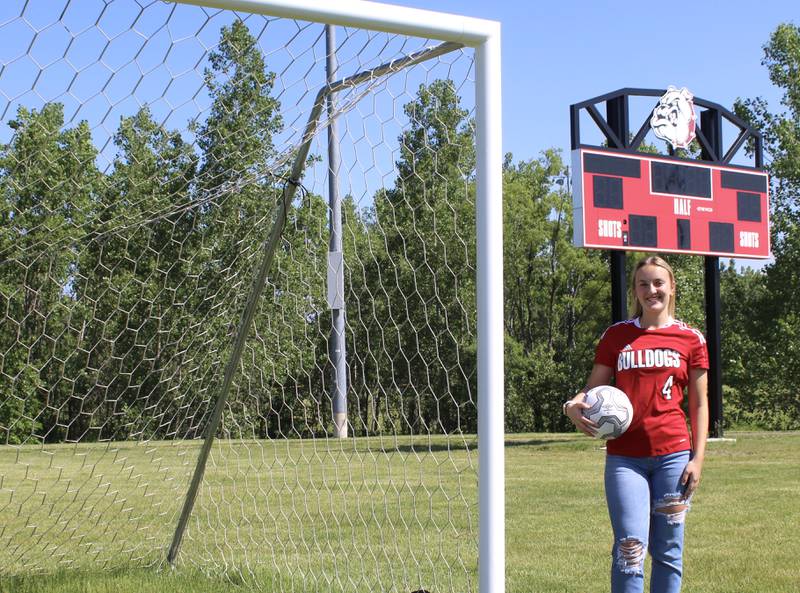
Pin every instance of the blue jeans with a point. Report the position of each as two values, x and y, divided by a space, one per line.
647 509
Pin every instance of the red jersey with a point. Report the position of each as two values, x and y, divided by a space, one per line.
652 367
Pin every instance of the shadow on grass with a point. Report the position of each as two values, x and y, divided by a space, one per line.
578 442
134 580
547 443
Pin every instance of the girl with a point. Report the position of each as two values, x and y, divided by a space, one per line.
653 469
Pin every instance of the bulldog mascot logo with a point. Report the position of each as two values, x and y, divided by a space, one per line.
674 119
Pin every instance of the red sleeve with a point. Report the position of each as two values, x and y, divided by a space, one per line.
699 354
605 353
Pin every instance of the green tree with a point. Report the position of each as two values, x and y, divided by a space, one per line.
427 281
236 178
690 293
282 391
775 356
133 270
48 182
557 295
240 180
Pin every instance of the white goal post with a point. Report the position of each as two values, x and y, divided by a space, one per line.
66 433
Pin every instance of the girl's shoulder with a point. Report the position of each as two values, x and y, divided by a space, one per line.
620 326
682 326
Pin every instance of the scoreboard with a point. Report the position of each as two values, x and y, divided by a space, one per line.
642 202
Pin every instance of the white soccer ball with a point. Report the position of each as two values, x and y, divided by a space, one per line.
610 408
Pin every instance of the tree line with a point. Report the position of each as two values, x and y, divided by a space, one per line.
121 291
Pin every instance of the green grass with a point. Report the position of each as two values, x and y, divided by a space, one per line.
314 515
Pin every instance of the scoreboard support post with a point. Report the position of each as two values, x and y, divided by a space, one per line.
711 127
617 116
714 342
619 276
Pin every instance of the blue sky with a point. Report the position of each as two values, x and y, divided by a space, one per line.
556 53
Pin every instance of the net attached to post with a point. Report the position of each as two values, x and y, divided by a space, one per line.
145 149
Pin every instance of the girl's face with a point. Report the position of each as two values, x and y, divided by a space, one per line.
654 289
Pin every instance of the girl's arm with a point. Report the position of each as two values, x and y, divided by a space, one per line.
600 375
698 416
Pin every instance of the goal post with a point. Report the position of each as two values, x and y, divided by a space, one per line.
490 319
165 254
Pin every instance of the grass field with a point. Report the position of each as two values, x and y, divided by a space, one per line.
283 531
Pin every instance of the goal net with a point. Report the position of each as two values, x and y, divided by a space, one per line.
238 298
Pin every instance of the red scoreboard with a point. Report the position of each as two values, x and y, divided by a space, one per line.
642 202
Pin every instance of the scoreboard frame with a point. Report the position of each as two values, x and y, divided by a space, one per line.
637 201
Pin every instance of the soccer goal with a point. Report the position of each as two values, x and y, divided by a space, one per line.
251 293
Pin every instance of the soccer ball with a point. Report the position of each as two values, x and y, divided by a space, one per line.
610 408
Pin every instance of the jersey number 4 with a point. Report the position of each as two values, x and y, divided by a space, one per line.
667 390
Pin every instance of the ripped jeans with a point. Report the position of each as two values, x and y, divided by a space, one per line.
647 510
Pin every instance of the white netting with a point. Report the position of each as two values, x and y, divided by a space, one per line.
144 147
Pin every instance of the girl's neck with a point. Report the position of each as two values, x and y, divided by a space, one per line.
655 321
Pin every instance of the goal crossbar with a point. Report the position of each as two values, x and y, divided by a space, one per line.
471 32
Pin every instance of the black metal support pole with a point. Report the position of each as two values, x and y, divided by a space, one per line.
617 117
711 125
619 298
714 337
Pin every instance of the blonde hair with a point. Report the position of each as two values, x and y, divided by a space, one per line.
653 260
